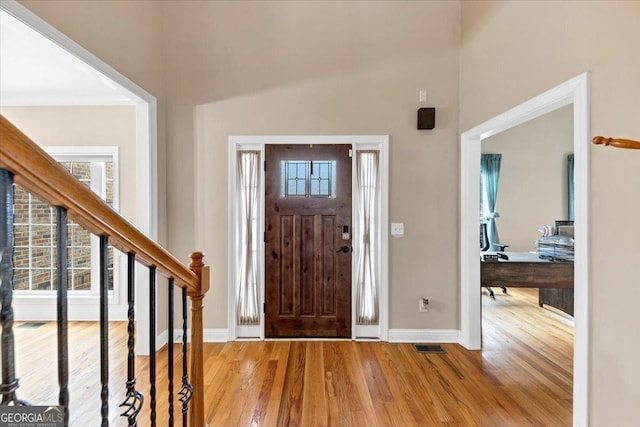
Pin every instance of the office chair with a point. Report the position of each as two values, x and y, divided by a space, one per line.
484 246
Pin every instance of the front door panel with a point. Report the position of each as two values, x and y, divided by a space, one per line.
308 241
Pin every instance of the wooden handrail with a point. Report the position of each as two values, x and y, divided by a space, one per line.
40 174
617 142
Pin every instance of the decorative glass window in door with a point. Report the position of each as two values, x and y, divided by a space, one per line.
308 178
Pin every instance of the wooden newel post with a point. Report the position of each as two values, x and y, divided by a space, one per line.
196 412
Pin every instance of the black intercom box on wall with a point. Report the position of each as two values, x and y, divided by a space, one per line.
426 118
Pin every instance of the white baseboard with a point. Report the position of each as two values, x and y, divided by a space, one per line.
216 335
395 335
424 335
177 335
46 311
162 339
209 335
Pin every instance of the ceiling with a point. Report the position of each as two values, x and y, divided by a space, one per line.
36 71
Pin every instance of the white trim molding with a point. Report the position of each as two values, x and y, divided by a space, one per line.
576 92
209 335
216 335
258 143
124 86
424 335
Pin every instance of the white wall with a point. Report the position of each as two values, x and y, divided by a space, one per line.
532 190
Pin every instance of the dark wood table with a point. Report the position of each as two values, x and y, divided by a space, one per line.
554 279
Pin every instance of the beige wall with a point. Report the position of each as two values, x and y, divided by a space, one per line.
127 36
532 190
512 51
325 68
296 68
86 126
356 67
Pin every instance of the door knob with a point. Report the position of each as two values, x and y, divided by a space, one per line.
344 249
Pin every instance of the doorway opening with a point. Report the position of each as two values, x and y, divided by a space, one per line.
573 92
323 188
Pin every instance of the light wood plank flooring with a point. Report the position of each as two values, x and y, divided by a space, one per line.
522 377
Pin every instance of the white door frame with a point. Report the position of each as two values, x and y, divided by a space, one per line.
146 149
576 92
358 142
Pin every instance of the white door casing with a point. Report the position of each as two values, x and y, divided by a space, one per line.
576 92
257 143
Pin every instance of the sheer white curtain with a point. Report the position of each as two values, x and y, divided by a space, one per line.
367 311
247 298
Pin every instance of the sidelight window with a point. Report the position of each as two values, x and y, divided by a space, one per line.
248 179
367 307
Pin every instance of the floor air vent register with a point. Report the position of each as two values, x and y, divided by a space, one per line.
429 348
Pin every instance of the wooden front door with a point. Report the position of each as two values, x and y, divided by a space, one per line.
308 241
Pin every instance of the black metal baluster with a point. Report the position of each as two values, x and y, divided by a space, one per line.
62 283
9 381
134 399
152 343
186 390
170 352
104 330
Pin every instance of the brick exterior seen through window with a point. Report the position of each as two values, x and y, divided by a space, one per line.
35 254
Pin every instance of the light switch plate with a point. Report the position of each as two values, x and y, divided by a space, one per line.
397 229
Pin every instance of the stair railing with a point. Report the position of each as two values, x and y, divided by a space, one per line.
22 161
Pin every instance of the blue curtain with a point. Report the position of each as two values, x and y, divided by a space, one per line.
490 170
571 192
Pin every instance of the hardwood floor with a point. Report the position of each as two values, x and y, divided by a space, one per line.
522 377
